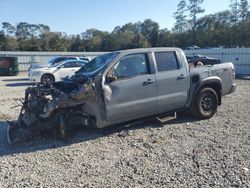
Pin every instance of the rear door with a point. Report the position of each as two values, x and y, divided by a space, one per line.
132 94
172 81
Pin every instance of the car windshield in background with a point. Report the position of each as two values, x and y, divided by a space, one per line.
98 62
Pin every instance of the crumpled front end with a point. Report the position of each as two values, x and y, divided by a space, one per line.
57 107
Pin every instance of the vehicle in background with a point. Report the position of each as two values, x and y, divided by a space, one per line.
193 47
56 71
55 60
202 60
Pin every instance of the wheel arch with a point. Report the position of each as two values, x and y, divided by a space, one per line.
211 82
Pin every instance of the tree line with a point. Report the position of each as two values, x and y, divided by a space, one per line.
229 28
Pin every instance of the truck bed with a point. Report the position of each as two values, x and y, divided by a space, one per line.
225 71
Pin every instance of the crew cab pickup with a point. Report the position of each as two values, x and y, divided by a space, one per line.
124 86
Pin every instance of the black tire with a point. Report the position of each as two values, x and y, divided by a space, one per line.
47 79
205 104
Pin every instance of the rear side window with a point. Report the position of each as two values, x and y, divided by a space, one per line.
166 61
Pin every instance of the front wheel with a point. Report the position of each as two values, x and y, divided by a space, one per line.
205 104
47 79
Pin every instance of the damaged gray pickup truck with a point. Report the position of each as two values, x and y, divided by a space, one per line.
123 86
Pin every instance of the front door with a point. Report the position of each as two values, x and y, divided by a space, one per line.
132 92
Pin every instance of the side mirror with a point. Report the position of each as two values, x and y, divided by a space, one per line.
60 67
111 78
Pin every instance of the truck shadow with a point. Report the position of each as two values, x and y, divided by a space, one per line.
48 140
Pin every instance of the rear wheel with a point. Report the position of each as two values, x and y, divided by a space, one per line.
205 104
48 79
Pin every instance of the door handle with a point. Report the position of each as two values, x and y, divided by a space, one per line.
182 76
147 82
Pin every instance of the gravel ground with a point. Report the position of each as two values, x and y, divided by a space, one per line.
182 153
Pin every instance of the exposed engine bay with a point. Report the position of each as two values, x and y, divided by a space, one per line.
58 106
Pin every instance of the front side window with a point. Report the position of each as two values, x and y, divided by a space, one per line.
131 66
166 61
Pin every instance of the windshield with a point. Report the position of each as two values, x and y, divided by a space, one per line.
98 62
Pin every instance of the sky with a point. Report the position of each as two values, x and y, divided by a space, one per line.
75 16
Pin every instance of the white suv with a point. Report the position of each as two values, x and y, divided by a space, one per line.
56 72
55 60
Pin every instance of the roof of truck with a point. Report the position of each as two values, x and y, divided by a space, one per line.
138 50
